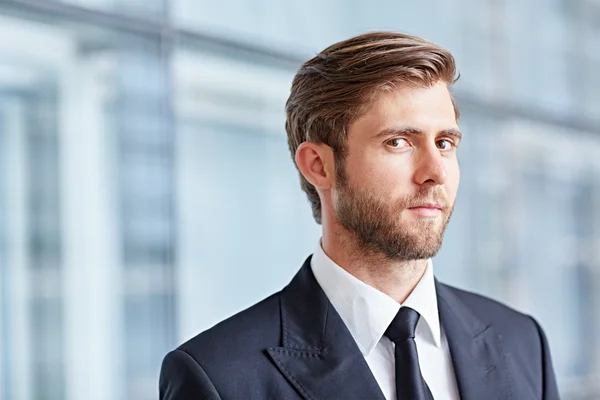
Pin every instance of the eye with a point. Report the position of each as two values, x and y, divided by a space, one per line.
445 144
397 143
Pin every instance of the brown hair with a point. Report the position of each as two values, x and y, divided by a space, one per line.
336 86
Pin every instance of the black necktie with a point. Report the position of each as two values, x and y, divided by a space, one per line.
410 384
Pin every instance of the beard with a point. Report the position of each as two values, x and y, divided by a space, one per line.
381 228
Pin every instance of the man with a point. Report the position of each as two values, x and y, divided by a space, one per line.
373 131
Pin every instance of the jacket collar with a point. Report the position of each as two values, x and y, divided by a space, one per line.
318 355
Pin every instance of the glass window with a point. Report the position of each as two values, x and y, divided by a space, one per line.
4 282
145 319
47 346
154 9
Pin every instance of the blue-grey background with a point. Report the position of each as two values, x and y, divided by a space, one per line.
147 192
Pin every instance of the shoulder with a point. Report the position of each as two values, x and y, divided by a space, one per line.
518 330
487 309
256 327
206 361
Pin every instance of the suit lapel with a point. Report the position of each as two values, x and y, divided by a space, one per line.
318 355
476 350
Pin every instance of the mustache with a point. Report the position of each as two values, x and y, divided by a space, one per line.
428 196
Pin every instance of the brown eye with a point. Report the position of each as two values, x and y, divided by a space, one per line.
445 144
397 143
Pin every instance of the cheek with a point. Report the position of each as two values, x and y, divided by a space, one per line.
453 179
359 168
387 176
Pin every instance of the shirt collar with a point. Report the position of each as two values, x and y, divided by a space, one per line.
366 311
423 300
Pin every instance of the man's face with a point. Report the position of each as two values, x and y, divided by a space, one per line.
397 189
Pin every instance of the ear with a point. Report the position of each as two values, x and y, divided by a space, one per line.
316 163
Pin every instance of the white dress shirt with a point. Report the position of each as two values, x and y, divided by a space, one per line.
367 313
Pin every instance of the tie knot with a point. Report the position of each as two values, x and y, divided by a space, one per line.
403 326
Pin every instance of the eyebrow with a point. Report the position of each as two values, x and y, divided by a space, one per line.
414 131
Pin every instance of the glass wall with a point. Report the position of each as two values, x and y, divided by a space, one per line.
147 192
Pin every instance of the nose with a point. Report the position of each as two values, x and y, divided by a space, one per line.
430 167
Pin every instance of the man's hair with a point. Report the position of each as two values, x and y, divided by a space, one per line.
335 87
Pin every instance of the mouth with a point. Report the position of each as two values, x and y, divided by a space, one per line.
427 210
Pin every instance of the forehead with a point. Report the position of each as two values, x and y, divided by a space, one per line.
425 108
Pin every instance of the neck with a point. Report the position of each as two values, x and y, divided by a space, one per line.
396 278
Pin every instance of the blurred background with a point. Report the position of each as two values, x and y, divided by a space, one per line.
147 192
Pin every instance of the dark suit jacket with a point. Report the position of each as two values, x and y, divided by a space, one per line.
294 345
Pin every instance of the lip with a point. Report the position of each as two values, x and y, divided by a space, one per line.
435 206
427 210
